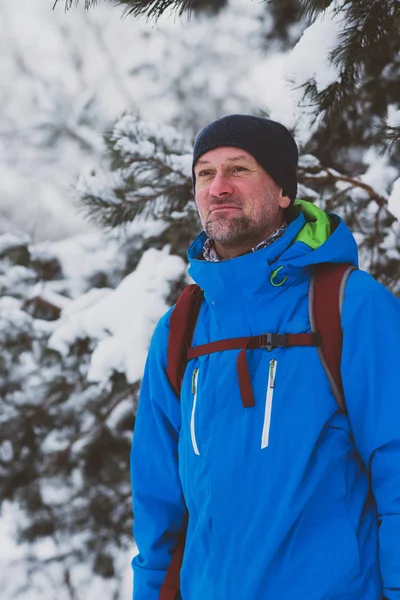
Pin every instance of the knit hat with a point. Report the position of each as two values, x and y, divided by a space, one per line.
269 142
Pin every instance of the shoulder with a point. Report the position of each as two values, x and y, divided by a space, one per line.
363 291
159 340
163 326
161 330
186 302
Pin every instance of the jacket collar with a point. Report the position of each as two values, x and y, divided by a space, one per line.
243 275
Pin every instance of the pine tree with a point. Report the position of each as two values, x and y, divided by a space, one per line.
64 440
366 56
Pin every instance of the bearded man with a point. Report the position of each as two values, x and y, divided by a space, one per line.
278 486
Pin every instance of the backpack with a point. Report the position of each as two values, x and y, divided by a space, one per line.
325 300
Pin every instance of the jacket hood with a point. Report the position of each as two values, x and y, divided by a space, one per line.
324 237
312 237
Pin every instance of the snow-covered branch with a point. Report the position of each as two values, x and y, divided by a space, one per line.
152 174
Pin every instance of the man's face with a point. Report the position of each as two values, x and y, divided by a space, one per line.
238 202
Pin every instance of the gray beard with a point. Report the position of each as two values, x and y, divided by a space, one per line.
240 231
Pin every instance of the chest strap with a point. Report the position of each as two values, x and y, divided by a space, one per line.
267 341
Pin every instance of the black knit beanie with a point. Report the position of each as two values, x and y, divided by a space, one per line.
269 142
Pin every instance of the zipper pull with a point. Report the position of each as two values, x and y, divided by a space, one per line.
272 364
195 371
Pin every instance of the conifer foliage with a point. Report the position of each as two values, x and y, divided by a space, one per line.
367 56
156 8
74 348
150 172
63 472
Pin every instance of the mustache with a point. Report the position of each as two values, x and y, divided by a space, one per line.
222 201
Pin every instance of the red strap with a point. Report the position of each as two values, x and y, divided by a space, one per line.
326 299
266 340
287 340
245 387
182 324
171 585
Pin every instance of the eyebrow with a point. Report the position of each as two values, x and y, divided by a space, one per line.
239 157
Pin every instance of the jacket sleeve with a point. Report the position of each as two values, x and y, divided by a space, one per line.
371 380
158 505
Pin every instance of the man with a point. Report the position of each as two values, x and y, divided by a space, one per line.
291 498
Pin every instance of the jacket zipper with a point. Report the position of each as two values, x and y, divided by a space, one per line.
268 403
195 377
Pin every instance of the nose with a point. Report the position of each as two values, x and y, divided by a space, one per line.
221 185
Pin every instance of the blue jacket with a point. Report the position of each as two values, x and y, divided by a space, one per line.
291 498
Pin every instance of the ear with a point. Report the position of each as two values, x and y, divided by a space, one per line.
284 201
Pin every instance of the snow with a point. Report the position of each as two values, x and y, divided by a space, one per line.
393 116
22 580
101 185
71 80
288 73
182 164
394 199
379 174
11 240
12 315
121 320
81 256
134 137
307 161
310 57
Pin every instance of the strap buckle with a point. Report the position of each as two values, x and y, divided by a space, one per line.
268 341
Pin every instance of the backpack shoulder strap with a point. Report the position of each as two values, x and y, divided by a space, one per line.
183 320
326 294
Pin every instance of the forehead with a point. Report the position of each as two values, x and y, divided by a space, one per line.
224 154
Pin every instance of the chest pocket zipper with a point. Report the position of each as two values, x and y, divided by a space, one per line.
268 403
195 377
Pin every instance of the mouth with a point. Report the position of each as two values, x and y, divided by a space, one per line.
224 208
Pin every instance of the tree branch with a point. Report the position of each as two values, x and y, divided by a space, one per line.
328 175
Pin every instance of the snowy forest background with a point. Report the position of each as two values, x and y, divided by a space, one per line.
98 117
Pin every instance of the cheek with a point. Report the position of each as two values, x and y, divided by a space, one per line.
201 203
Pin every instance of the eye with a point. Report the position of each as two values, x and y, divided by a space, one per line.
203 173
238 169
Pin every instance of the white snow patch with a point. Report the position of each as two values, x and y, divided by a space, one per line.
394 199
10 240
393 116
81 256
122 320
309 60
379 174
